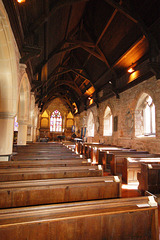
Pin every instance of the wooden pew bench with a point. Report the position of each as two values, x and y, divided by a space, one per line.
43 163
45 157
87 148
36 192
117 159
15 174
132 166
40 151
91 150
128 218
103 155
149 178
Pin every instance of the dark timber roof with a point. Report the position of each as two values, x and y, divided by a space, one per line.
78 48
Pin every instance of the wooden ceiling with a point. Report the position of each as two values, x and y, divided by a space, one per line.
75 48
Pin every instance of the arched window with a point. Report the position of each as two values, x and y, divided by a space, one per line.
15 124
56 122
90 125
145 117
107 122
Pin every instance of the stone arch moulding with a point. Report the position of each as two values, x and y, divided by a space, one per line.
145 116
140 94
24 99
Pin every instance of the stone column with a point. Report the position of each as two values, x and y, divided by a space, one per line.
34 134
6 135
30 133
22 133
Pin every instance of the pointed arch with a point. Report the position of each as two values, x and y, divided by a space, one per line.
107 122
90 125
24 99
70 120
145 116
56 121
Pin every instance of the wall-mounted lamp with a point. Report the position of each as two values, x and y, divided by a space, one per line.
131 70
21 1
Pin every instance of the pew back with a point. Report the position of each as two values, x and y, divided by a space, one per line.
104 219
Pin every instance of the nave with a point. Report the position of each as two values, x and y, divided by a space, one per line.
50 191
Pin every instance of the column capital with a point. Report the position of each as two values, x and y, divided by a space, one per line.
22 66
30 125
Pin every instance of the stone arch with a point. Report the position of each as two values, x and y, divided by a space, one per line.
24 110
8 83
141 120
70 120
107 122
90 125
24 99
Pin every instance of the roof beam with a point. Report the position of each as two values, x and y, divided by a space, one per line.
57 5
132 15
64 82
121 9
30 52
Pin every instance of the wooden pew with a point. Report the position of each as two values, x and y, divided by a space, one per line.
103 155
128 218
45 157
15 174
149 178
117 161
132 166
36 192
90 150
43 163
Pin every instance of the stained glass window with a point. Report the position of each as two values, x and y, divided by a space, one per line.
15 124
56 122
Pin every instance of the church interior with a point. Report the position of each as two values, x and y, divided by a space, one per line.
79 119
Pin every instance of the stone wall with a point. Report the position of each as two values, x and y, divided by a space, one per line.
125 108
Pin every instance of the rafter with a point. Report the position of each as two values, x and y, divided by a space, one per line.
123 10
57 5
64 82
30 52
133 15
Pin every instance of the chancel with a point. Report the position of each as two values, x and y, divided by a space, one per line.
79 119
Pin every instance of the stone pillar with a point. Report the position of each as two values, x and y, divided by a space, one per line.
34 134
29 133
6 135
22 133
